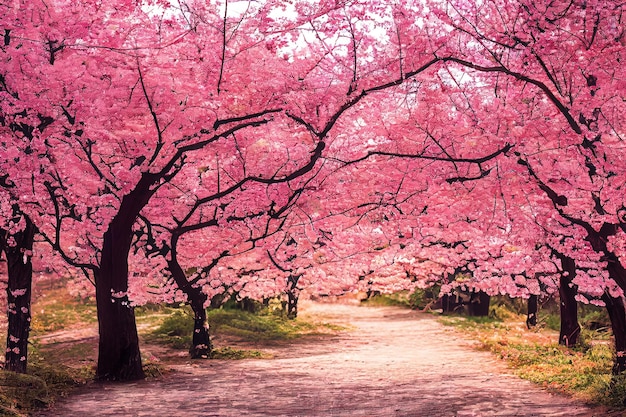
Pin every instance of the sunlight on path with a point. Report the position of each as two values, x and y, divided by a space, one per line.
393 363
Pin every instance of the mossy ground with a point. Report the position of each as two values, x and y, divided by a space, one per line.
173 327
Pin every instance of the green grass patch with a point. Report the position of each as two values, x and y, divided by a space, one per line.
175 327
399 299
170 327
22 394
254 327
473 323
48 375
583 372
236 354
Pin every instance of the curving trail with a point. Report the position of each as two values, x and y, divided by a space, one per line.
393 362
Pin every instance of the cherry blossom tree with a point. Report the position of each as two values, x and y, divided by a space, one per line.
119 96
116 189
19 290
130 115
556 70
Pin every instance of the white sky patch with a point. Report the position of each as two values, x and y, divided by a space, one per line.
284 13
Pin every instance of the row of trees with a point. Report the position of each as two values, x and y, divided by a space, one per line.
191 149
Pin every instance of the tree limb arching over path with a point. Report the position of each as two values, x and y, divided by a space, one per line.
392 362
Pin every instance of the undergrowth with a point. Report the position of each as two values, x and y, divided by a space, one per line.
583 372
399 299
46 381
56 310
173 327
48 375
257 327
419 299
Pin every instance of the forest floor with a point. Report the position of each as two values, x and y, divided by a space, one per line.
387 362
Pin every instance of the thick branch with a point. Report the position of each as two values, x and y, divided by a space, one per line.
501 69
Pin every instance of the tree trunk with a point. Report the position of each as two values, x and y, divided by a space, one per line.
292 296
570 329
479 304
617 272
19 289
201 345
119 358
450 302
617 314
533 307
292 304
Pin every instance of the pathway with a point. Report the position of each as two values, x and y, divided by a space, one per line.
393 362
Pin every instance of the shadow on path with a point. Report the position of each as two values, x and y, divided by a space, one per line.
392 362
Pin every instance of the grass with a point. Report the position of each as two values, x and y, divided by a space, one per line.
265 326
399 299
235 354
173 327
583 372
56 310
57 368
418 299
48 374
47 379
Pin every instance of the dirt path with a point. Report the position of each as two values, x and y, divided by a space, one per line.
394 363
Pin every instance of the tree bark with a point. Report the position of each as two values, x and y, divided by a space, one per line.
201 345
570 329
292 304
450 302
615 306
119 358
478 305
292 296
19 290
617 314
533 308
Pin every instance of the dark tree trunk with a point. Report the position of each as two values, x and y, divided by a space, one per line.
570 329
119 358
247 304
19 289
292 296
598 240
201 345
217 300
479 304
615 306
292 305
450 303
617 314
201 341
533 308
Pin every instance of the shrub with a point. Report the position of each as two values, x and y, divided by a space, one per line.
176 329
422 298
